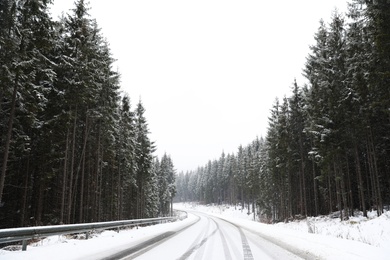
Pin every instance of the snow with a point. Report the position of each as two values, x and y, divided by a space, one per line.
358 238
104 244
372 230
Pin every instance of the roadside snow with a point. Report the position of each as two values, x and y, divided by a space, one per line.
97 247
357 238
373 230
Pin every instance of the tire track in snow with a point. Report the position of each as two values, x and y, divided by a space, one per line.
196 245
138 250
244 241
199 254
295 252
226 250
245 246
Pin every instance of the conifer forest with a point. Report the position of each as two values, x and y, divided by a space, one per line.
327 147
75 149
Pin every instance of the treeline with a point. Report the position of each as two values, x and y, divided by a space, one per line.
72 148
327 146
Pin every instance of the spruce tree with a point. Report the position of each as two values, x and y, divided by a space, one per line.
143 162
126 156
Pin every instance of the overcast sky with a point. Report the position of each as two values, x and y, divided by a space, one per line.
207 71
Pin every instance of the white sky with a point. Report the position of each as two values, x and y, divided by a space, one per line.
207 71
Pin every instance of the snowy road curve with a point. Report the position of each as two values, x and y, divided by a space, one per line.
209 234
208 237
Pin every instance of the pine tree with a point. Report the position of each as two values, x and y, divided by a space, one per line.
222 178
321 108
299 149
240 174
126 156
171 183
273 159
151 195
143 162
358 52
164 195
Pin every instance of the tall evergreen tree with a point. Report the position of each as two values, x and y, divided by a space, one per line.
144 160
126 157
166 184
299 148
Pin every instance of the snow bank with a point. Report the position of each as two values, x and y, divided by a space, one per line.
373 230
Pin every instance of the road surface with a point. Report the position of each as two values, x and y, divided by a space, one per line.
208 237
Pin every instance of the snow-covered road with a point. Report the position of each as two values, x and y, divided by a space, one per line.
214 238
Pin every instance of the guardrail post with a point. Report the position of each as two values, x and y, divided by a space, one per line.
24 245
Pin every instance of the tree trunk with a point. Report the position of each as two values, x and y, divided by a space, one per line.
315 189
8 139
114 203
361 185
64 179
349 189
304 187
95 182
242 198
119 199
344 196
89 182
83 171
301 193
338 199
254 209
72 169
374 174
100 186
302 175
290 195
40 199
171 206
330 191
337 186
25 192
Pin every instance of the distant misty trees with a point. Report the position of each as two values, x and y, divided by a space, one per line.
328 145
72 148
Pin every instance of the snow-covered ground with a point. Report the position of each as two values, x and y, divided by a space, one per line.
358 238
373 230
370 236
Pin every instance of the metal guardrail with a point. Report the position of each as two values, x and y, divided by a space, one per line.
23 234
